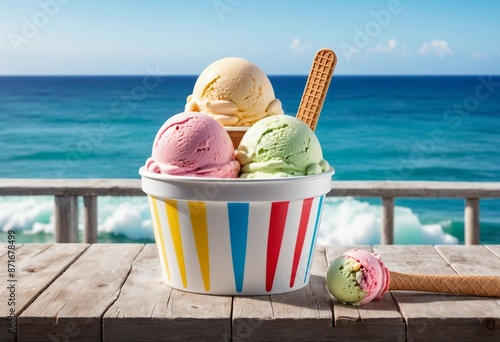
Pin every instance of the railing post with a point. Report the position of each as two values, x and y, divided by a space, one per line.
471 221
387 237
90 219
66 219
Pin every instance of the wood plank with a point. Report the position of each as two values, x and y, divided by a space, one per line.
37 266
132 187
387 218
73 305
473 260
149 310
432 316
4 247
495 249
471 221
66 187
90 234
379 320
302 315
65 219
412 189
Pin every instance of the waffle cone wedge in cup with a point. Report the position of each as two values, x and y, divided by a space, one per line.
484 286
236 133
316 88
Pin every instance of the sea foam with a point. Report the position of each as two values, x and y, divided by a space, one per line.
349 221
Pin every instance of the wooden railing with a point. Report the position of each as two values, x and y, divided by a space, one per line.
67 191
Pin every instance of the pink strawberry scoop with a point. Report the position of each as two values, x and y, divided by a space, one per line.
357 277
193 144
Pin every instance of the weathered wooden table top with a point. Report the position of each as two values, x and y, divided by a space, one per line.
114 292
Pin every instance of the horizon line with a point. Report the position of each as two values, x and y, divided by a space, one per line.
269 75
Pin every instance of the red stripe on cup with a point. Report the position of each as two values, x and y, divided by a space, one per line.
277 222
301 235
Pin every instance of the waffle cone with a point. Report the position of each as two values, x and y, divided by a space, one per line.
236 137
486 286
316 87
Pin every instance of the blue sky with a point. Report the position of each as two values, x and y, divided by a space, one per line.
112 37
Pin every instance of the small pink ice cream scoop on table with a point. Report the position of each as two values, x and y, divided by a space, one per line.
193 144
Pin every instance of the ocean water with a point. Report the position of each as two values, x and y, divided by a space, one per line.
439 128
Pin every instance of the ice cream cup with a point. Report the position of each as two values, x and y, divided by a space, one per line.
236 133
236 236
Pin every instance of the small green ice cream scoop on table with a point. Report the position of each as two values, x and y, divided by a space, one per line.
344 284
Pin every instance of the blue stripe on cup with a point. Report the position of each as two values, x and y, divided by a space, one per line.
318 216
238 228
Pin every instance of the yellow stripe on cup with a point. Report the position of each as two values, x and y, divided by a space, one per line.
198 214
159 234
175 230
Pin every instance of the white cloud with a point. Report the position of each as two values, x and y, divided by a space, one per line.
298 47
439 48
391 45
404 51
480 55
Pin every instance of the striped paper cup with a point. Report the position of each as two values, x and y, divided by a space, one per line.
236 236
